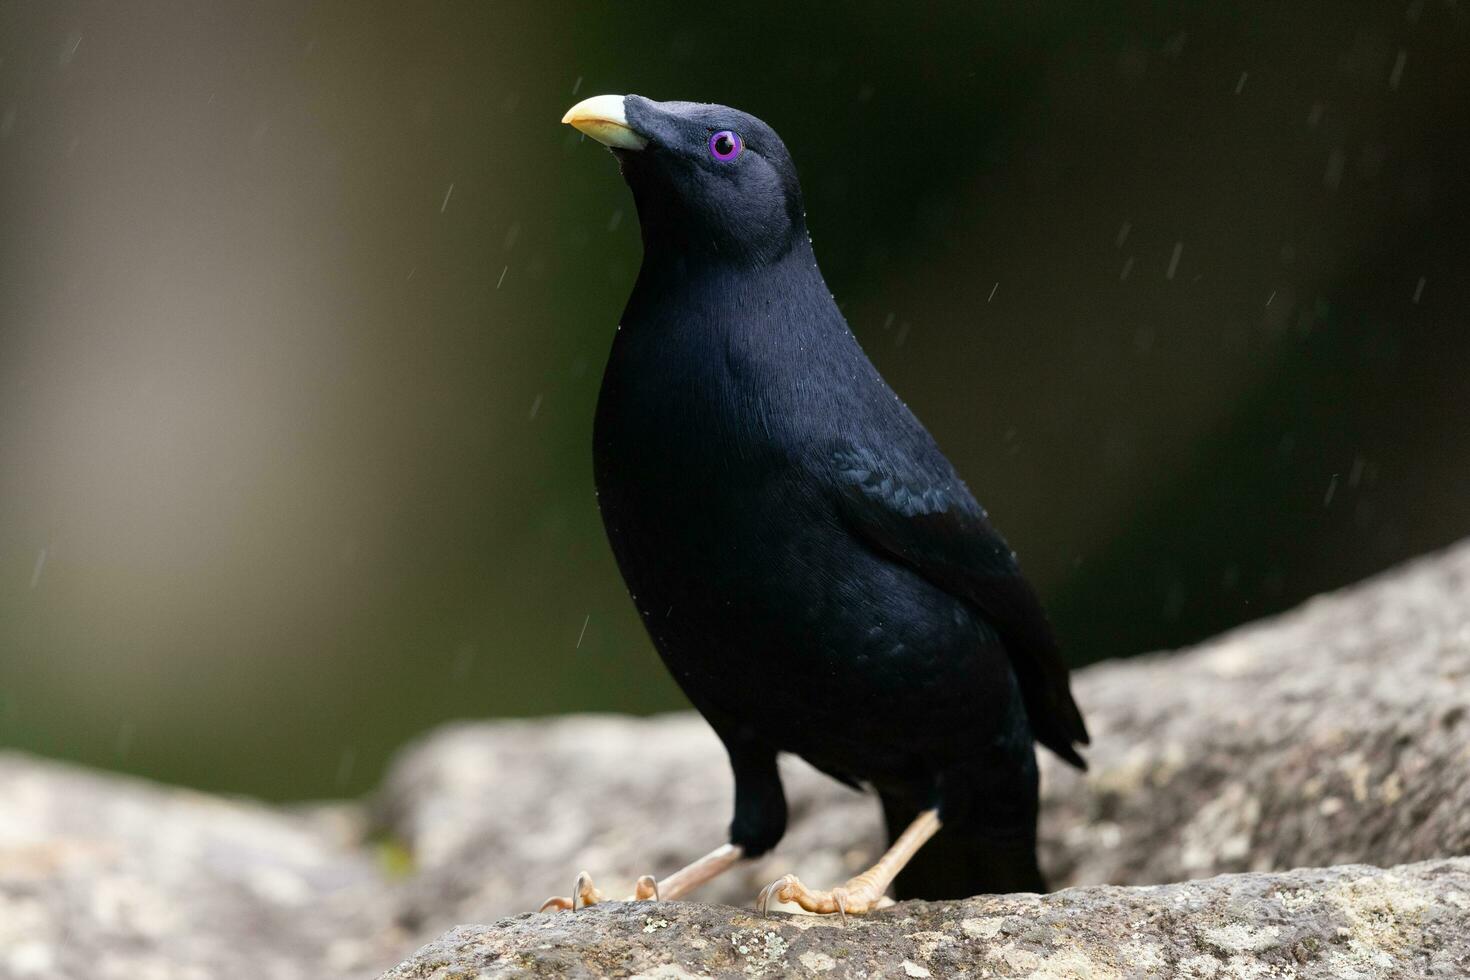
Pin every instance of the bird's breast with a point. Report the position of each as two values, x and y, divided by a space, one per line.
696 485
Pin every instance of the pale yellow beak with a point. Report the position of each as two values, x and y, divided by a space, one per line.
602 118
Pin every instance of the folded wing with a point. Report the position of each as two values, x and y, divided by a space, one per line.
917 512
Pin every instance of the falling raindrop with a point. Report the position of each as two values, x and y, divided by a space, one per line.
1397 74
69 50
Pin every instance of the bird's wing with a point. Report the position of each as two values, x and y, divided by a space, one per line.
918 513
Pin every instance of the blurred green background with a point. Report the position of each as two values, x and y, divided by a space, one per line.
303 309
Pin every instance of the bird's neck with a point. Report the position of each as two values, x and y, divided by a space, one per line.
677 288
754 232
769 335
728 356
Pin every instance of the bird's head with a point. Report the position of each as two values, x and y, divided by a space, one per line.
708 180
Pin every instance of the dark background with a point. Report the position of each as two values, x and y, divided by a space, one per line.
303 309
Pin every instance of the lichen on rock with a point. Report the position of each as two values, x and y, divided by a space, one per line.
1375 924
1336 733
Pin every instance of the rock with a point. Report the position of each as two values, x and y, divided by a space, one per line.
1341 923
1336 733
1339 732
110 878
500 816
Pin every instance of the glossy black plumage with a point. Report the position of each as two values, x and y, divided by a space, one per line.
809 565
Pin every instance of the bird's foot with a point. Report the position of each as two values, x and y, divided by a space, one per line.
862 893
857 896
676 885
585 893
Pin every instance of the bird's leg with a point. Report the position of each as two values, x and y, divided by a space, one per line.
676 885
864 892
707 868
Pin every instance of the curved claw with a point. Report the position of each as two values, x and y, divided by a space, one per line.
839 901
763 900
584 892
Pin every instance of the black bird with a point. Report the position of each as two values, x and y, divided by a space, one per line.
810 567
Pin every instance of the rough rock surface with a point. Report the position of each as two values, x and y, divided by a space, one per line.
1344 923
1339 732
501 816
110 878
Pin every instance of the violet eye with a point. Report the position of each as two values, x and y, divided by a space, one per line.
725 145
